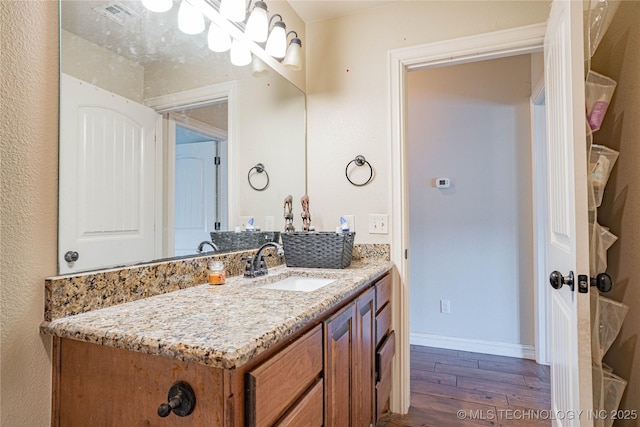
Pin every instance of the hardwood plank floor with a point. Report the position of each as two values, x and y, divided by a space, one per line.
451 388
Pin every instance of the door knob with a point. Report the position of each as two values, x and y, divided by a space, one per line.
557 280
71 256
182 400
602 281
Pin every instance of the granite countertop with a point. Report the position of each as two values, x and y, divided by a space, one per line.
219 326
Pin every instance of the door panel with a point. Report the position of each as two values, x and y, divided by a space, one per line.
107 178
195 195
568 216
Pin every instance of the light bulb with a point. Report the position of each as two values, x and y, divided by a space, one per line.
233 10
277 41
158 5
293 58
218 40
257 27
240 53
190 20
258 68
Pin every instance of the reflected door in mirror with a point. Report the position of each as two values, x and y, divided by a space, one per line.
107 178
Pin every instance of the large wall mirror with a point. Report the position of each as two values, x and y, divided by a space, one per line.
160 138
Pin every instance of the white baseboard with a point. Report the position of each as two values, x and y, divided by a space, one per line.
476 346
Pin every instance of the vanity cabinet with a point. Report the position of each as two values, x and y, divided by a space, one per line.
275 386
336 371
385 345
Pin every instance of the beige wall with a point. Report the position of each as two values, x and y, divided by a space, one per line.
619 58
348 91
28 208
271 130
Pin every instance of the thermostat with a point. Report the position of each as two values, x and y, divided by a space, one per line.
443 183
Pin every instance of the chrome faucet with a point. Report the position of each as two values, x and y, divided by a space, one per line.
256 266
206 242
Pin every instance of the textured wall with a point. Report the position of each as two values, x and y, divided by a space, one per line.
348 93
618 57
28 207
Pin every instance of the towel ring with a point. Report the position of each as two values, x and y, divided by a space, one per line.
359 161
260 169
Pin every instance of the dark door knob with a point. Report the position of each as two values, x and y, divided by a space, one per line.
603 282
557 280
182 400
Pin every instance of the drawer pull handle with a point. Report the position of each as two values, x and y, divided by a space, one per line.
181 399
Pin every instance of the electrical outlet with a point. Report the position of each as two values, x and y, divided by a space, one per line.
351 220
445 306
378 224
269 223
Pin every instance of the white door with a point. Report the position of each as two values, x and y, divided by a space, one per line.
568 240
107 178
195 195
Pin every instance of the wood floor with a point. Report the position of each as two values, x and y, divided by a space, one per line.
451 388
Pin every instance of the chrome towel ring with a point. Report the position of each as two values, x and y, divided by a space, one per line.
259 168
359 161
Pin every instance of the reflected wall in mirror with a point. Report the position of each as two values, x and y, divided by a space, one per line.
145 112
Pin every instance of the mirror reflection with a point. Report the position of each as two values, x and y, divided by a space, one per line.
160 136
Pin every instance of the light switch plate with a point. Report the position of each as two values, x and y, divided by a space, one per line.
378 224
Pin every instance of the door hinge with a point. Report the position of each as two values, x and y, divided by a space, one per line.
406 254
216 160
216 226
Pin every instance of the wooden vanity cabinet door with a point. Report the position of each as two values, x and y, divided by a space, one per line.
364 362
274 386
339 375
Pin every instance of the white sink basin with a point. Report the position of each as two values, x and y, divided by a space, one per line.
299 283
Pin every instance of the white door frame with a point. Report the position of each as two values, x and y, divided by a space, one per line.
541 298
498 44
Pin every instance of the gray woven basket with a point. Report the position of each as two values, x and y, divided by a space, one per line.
318 249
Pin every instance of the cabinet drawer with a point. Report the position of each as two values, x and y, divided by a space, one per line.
308 411
383 391
273 386
384 355
383 292
383 323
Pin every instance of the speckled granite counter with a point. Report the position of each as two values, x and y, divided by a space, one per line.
220 326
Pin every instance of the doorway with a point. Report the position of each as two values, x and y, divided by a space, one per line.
505 43
470 206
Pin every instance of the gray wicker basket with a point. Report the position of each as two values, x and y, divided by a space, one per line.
318 249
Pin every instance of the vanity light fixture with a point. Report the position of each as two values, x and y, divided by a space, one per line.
293 58
158 5
257 28
234 10
190 19
218 40
258 67
277 41
240 53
